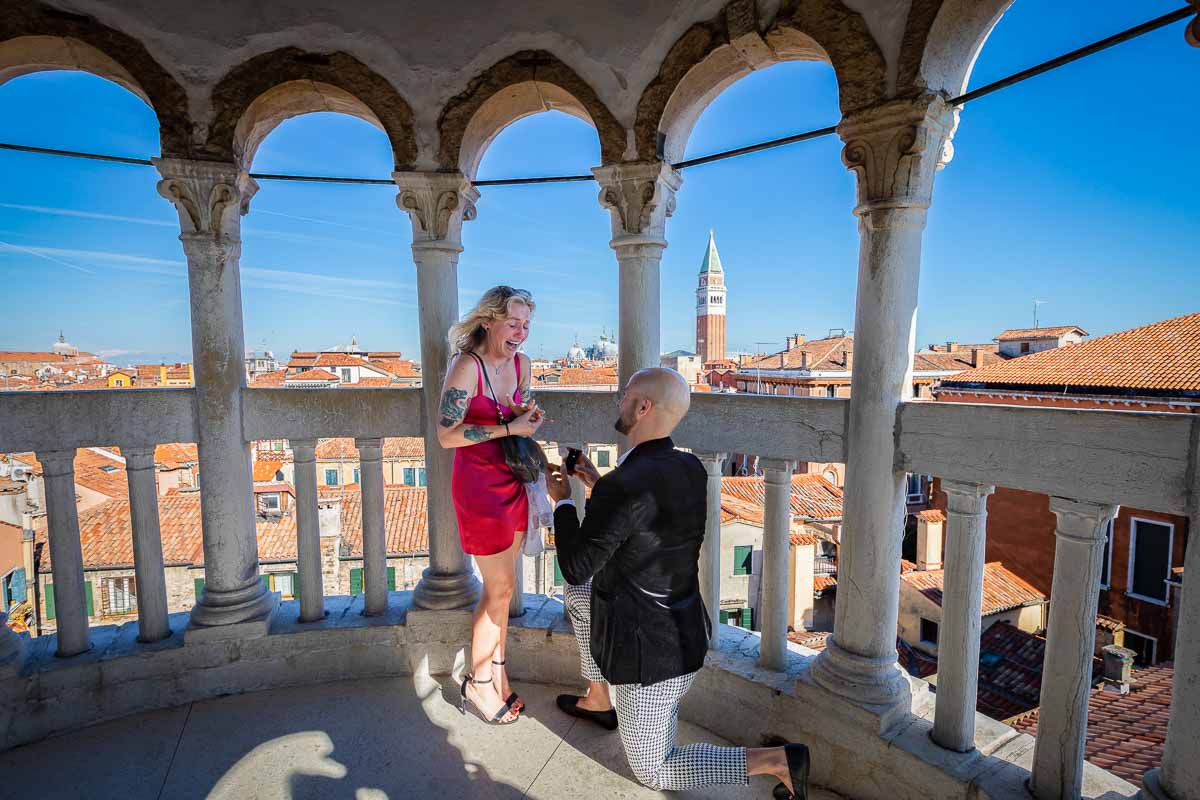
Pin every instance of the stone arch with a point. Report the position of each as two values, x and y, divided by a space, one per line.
942 39
525 83
258 94
712 55
35 37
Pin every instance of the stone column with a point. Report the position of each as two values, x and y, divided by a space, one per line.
1070 643
777 529
308 530
211 198
710 550
374 534
893 149
66 552
438 203
962 599
639 196
147 544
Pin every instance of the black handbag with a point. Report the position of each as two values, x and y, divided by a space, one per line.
522 455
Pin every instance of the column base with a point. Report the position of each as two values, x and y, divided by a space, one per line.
444 592
1152 788
250 603
863 680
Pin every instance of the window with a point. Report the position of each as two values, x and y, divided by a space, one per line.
741 617
122 597
108 468
1024 347
929 631
421 476
1106 563
13 587
270 502
831 391
603 458
558 578
1149 560
284 583
277 446
331 477
916 390
1146 648
356 581
345 374
743 559
356 475
410 476
913 488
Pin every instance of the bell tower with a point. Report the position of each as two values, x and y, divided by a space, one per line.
710 305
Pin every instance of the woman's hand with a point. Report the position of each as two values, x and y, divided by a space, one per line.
556 483
528 422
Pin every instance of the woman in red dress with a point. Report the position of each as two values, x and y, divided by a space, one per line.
489 501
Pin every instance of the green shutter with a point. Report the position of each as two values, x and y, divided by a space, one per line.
748 618
558 578
266 579
743 559
296 585
724 617
391 579
356 581
87 594
49 601
199 584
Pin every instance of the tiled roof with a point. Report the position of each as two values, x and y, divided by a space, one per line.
312 375
822 583
400 367
269 379
176 455
813 497
1125 733
9 486
27 355
577 376
1109 624
339 360
932 515
394 447
1039 333
956 361
1164 356
823 354
803 539
1010 671
107 541
1002 589
265 470
273 487
813 640
369 383
914 661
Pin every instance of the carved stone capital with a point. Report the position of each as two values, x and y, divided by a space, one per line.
894 150
210 196
438 203
639 195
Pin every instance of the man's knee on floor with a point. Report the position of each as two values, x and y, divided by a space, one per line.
649 775
578 599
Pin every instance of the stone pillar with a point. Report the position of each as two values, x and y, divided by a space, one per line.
211 198
777 529
1179 777
438 203
962 599
639 196
1070 642
147 544
66 552
710 550
893 150
374 535
308 530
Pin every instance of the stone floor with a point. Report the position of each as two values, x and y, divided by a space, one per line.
359 740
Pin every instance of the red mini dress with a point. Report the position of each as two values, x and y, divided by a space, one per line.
489 501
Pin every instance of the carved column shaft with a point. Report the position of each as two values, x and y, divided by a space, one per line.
438 203
710 550
777 529
893 150
639 196
308 529
152 610
211 198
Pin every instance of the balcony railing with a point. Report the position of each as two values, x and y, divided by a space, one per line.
1097 458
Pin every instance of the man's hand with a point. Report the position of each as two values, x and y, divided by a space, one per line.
556 483
586 471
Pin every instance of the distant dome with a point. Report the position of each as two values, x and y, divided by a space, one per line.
604 349
576 353
64 348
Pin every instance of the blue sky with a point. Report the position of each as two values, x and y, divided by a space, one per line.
1076 188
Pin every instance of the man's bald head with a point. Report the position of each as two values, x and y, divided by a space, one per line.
665 388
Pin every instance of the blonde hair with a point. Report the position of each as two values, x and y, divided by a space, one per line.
496 303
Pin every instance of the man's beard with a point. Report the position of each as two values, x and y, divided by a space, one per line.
623 425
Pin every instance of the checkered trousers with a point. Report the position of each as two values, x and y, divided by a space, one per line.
648 720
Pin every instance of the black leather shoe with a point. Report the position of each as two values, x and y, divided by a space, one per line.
569 704
797 761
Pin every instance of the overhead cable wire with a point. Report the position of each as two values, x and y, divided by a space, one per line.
975 94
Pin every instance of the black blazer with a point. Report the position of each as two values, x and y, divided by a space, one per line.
640 545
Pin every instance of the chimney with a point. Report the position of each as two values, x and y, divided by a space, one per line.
929 543
329 516
951 347
803 359
975 358
782 360
1118 668
329 521
800 594
848 359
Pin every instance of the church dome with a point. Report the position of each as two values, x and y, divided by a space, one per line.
604 349
576 353
64 348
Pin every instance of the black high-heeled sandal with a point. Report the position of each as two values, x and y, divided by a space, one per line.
497 719
514 698
797 761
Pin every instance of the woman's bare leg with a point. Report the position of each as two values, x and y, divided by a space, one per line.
490 623
502 673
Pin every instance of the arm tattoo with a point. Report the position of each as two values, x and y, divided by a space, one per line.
454 407
476 433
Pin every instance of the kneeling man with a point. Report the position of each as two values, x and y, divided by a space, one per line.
633 593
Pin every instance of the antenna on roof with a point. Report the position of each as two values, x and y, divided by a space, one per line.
1037 303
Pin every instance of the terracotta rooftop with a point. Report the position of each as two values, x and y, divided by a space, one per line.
956 361
265 470
823 354
107 540
394 447
317 375
1125 733
813 497
269 379
339 360
1039 333
814 640
1002 589
932 515
1164 356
